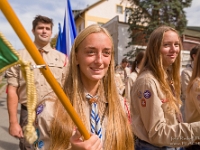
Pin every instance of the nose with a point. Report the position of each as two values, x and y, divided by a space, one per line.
174 48
44 30
99 58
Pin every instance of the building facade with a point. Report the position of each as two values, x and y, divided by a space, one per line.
100 13
112 15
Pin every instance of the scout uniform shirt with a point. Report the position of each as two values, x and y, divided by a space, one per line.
124 72
129 83
185 78
120 84
45 115
192 103
153 121
56 62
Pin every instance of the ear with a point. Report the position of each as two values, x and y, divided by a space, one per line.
193 56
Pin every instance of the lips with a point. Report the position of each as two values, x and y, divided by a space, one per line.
172 56
96 69
44 36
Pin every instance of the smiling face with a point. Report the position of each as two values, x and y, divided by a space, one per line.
94 56
170 48
42 33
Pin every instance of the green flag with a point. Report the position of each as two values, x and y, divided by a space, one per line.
8 55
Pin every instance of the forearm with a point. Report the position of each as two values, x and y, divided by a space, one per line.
12 104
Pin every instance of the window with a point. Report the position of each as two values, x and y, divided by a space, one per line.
119 9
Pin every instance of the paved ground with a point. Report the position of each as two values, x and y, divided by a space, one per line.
7 142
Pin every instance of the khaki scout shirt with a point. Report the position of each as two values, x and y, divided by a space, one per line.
185 78
129 83
56 62
192 103
151 119
119 83
45 115
124 72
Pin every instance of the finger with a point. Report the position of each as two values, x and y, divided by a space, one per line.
21 134
76 137
16 137
97 145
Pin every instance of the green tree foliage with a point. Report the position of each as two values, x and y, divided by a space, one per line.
146 15
133 53
53 41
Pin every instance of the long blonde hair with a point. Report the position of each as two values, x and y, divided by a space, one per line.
153 62
118 134
195 70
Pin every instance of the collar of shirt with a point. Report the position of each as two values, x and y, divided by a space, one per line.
46 48
100 98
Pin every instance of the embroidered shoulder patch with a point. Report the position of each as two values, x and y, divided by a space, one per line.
147 94
143 102
39 109
139 94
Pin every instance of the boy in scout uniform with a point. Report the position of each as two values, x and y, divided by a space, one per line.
123 70
42 30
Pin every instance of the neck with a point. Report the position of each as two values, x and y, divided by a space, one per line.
91 88
40 44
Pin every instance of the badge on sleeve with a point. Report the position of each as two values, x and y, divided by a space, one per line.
143 102
39 109
139 93
147 94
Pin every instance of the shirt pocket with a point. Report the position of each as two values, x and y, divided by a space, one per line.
56 70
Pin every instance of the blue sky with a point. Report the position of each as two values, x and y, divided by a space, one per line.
26 11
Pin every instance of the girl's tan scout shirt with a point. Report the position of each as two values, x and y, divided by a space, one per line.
152 122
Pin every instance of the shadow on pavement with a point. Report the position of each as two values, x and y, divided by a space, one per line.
8 146
4 128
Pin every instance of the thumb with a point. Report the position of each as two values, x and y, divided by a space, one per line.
76 137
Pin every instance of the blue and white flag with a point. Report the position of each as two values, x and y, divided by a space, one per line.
69 31
59 38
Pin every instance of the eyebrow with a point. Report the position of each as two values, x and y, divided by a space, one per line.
93 47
